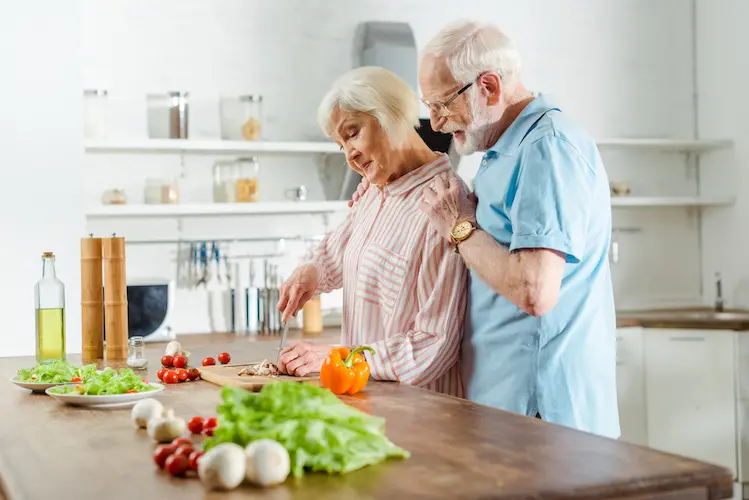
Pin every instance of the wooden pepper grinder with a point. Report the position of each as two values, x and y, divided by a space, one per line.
115 298
92 307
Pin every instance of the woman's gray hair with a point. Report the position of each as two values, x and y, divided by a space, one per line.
377 92
470 48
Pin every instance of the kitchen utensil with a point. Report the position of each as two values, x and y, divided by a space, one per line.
227 375
297 194
282 344
92 299
115 298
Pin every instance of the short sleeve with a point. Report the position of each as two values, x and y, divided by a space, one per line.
550 208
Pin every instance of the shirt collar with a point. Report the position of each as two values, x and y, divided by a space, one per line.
417 177
510 140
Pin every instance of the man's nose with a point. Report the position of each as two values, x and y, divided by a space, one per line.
436 120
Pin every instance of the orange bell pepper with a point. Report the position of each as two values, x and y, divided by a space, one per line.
345 372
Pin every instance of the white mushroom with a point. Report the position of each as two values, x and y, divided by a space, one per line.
222 467
173 348
268 462
166 428
146 410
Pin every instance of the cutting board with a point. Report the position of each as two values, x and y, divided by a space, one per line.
227 375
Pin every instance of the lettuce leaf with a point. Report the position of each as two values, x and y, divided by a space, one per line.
55 372
107 382
320 432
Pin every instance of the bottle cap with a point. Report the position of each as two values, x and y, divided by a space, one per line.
48 255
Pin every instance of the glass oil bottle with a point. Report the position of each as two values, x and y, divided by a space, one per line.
49 301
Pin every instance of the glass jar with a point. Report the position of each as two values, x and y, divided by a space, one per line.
168 115
136 353
241 117
247 179
114 197
161 191
95 105
225 181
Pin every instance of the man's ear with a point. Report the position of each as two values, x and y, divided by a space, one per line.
491 86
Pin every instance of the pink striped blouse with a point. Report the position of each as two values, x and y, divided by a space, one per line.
404 288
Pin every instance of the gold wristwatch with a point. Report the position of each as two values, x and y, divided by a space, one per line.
460 232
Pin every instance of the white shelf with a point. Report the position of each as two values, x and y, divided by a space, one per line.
207 146
666 201
216 209
666 145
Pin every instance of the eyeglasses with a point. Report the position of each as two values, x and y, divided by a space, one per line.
440 107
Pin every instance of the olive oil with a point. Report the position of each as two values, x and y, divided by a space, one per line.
50 327
49 295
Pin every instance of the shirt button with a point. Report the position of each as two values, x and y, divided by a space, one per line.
483 162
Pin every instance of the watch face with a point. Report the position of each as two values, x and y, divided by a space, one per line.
461 230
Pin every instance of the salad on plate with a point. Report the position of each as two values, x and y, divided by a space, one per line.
107 382
55 372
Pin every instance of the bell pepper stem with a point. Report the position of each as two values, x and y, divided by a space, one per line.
349 361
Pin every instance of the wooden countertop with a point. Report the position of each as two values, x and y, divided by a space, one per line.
693 318
459 449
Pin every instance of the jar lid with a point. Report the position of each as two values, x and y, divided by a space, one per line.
48 255
253 159
177 93
95 92
251 98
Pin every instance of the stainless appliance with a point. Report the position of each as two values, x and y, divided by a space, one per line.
150 303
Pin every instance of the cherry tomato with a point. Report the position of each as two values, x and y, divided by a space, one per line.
76 379
161 453
179 361
209 361
176 465
210 423
209 431
184 450
183 375
224 358
192 460
171 377
195 425
131 391
167 361
181 441
193 373
161 373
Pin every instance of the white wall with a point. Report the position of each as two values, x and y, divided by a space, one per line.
621 68
40 157
723 77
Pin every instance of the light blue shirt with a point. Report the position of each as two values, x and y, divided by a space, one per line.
543 185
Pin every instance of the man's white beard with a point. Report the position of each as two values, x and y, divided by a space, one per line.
475 131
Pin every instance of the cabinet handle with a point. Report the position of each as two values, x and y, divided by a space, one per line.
687 339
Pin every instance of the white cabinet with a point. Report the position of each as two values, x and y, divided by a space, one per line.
690 394
630 385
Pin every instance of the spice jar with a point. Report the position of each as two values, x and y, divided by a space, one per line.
168 115
114 197
95 105
225 181
247 179
158 191
241 117
136 353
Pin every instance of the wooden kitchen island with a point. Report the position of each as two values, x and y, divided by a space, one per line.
459 449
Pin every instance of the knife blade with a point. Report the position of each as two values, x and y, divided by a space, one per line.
283 341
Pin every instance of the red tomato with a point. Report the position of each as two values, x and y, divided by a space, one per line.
209 431
193 373
161 373
195 425
171 377
180 361
131 391
167 361
161 453
210 423
176 465
183 375
224 358
75 379
192 460
184 450
209 361
180 441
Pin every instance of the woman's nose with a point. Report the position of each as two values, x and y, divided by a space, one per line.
352 154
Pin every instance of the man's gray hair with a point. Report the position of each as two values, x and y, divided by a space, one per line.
377 92
471 48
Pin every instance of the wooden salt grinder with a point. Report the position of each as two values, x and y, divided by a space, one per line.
115 298
92 307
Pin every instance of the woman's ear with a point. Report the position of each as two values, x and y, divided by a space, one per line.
491 86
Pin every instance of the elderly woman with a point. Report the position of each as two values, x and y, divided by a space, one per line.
404 286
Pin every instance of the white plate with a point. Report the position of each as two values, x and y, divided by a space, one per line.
107 401
37 386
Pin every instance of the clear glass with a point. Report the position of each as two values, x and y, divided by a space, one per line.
241 117
159 191
168 115
247 186
136 353
225 173
49 304
95 110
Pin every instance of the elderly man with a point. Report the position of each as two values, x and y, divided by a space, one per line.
542 322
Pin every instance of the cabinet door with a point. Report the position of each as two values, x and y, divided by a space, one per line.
630 385
691 405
